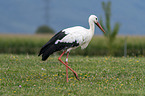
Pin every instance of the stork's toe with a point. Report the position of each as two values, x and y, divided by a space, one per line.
76 76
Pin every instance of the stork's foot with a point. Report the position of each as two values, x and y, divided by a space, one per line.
76 75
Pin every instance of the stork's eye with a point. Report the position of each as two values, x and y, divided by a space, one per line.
96 18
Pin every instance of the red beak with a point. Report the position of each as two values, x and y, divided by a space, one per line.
100 26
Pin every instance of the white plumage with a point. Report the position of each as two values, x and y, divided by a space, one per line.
80 34
69 39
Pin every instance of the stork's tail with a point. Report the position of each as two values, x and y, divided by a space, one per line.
46 52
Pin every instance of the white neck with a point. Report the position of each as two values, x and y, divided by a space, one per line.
92 27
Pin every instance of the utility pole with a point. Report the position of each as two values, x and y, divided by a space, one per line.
125 47
46 8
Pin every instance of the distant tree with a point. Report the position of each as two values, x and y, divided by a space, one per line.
110 34
44 29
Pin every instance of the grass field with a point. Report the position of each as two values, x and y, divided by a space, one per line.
99 76
31 44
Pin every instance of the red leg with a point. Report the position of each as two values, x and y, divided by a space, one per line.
66 62
67 65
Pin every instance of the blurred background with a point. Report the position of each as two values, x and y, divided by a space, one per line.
22 23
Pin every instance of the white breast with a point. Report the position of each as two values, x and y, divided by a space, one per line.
80 34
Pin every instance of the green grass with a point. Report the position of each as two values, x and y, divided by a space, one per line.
31 44
99 76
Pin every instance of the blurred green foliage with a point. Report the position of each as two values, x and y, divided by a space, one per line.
31 44
44 29
110 33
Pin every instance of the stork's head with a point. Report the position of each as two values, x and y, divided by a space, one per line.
94 19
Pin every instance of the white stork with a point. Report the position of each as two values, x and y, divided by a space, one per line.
69 39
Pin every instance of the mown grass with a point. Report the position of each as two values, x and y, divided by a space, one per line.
99 76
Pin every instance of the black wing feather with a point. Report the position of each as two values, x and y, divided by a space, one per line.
50 47
57 47
57 36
